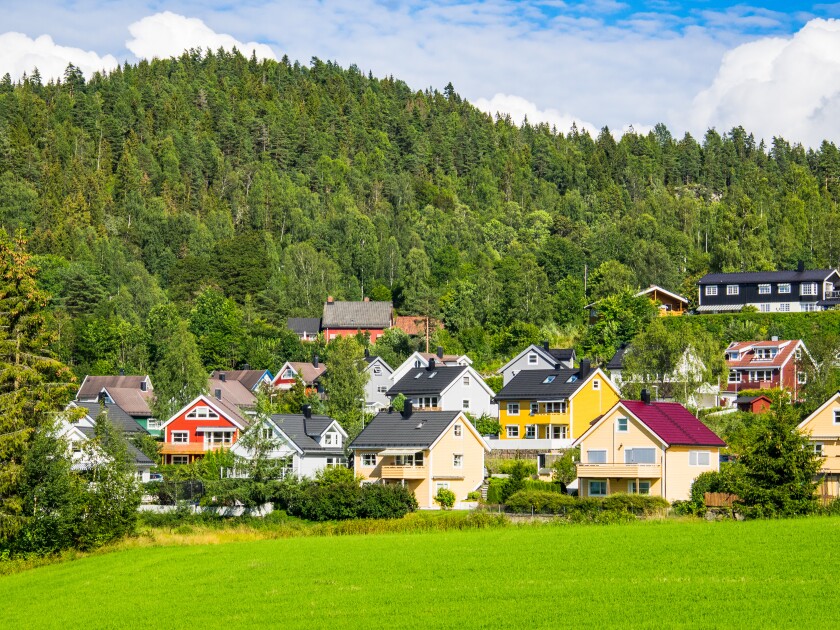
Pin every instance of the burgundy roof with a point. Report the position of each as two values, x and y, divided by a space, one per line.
673 423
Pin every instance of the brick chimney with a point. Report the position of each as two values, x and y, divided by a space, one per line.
367 299
330 300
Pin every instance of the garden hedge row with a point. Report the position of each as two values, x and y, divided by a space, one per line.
541 502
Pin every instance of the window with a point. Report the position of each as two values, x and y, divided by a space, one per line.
764 308
596 457
513 408
512 430
336 462
266 433
218 438
424 402
640 456
535 408
465 404
596 384
457 460
556 407
644 487
560 433
711 290
377 370
180 459
530 431
289 374
466 381
549 379
621 425
757 376
442 485
801 378
418 375
458 430
332 438
418 363
369 460
808 288
699 458
765 354
818 449
809 307
783 287
202 413
532 358
734 377
381 389
433 374
180 437
784 308
597 488
764 289
731 289
798 353
837 416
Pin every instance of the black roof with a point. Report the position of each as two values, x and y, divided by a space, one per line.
562 354
539 385
813 275
302 325
118 417
425 381
419 430
304 431
617 361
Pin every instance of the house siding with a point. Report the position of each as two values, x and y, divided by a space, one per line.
196 437
332 333
374 399
522 364
820 428
679 474
480 401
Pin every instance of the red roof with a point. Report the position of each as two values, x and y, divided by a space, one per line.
673 423
749 360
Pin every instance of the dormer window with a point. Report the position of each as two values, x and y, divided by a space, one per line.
783 287
144 386
732 289
532 358
765 354
332 438
289 373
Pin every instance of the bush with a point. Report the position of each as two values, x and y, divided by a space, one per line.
587 508
506 466
542 486
475 495
445 498
317 501
495 489
386 501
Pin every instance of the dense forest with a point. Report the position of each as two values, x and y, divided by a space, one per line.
193 204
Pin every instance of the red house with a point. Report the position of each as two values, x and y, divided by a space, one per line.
343 319
765 365
309 373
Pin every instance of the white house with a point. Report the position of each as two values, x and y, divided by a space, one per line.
446 388
536 357
379 380
421 360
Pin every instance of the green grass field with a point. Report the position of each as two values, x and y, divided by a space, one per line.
647 574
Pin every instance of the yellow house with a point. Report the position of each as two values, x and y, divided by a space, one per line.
643 447
823 429
554 404
424 450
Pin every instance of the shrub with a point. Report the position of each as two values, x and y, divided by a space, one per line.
445 498
475 495
544 486
342 500
587 508
495 489
386 501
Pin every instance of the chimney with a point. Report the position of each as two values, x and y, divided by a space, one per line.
774 338
144 386
307 411
122 371
246 366
367 299
102 398
218 393
367 353
222 377
440 352
800 267
408 409
585 368
646 396
330 300
431 365
315 360
545 346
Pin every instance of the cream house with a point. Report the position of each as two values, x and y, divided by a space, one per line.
423 450
823 429
644 447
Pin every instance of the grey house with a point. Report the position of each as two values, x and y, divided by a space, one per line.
536 357
446 388
379 380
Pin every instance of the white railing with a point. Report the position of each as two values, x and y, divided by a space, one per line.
832 295
542 444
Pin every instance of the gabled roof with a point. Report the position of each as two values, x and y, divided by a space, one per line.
672 423
420 430
656 287
123 390
814 275
378 360
307 372
832 400
617 361
249 378
744 400
234 393
426 381
300 325
304 432
550 355
120 419
357 315
559 384
787 349
225 409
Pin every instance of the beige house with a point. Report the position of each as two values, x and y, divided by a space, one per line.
823 429
423 450
643 447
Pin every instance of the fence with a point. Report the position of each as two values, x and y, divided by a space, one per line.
720 499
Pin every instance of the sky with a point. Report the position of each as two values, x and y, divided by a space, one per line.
771 67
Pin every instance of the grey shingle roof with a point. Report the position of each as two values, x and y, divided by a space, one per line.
300 325
813 275
419 430
531 385
305 431
124 390
357 315
562 354
617 361
249 378
421 381
118 417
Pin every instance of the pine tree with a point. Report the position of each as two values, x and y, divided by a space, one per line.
33 385
344 381
180 375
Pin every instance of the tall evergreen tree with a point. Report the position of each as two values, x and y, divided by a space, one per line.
180 375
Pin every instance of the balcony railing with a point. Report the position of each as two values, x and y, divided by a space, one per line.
404 472
642 471
528 444
832 295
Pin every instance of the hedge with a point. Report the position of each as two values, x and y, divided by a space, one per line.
346 500
541 502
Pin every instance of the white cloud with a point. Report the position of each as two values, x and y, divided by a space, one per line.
778 86
520 108
20 54
168 34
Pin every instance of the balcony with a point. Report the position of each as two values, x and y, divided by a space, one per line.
404 472
629 471
832 295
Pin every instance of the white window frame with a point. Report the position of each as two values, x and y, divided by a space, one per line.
809 288
176 437
711 290
513 409
557 406
733 289
336 462
441 485
590 451
818 448
530 431
644 487
734 376
695 457
801 378
377 370
458 430
332 438
597 494
221 437
457 460
596 384
764 308
182 460
784 308
512 431
783 287
837 416
465 404
618 425
535 408
202 412
560 432
381 389
369 460
764 289
533 359
466 381
288 374
629 454
809 307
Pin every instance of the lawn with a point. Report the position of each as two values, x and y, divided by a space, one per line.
650 574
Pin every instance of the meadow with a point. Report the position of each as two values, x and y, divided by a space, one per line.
653 574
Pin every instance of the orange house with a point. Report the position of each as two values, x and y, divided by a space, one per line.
205 424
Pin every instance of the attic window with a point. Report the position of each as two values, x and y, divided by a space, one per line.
432 375
572 378
532 359
549 379
419 374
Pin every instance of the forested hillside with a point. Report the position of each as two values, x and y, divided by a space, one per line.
226 194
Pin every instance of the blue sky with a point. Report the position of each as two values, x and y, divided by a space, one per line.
771 67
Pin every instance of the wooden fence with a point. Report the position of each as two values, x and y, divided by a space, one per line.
719 499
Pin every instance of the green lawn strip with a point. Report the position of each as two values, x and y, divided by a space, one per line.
649 574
